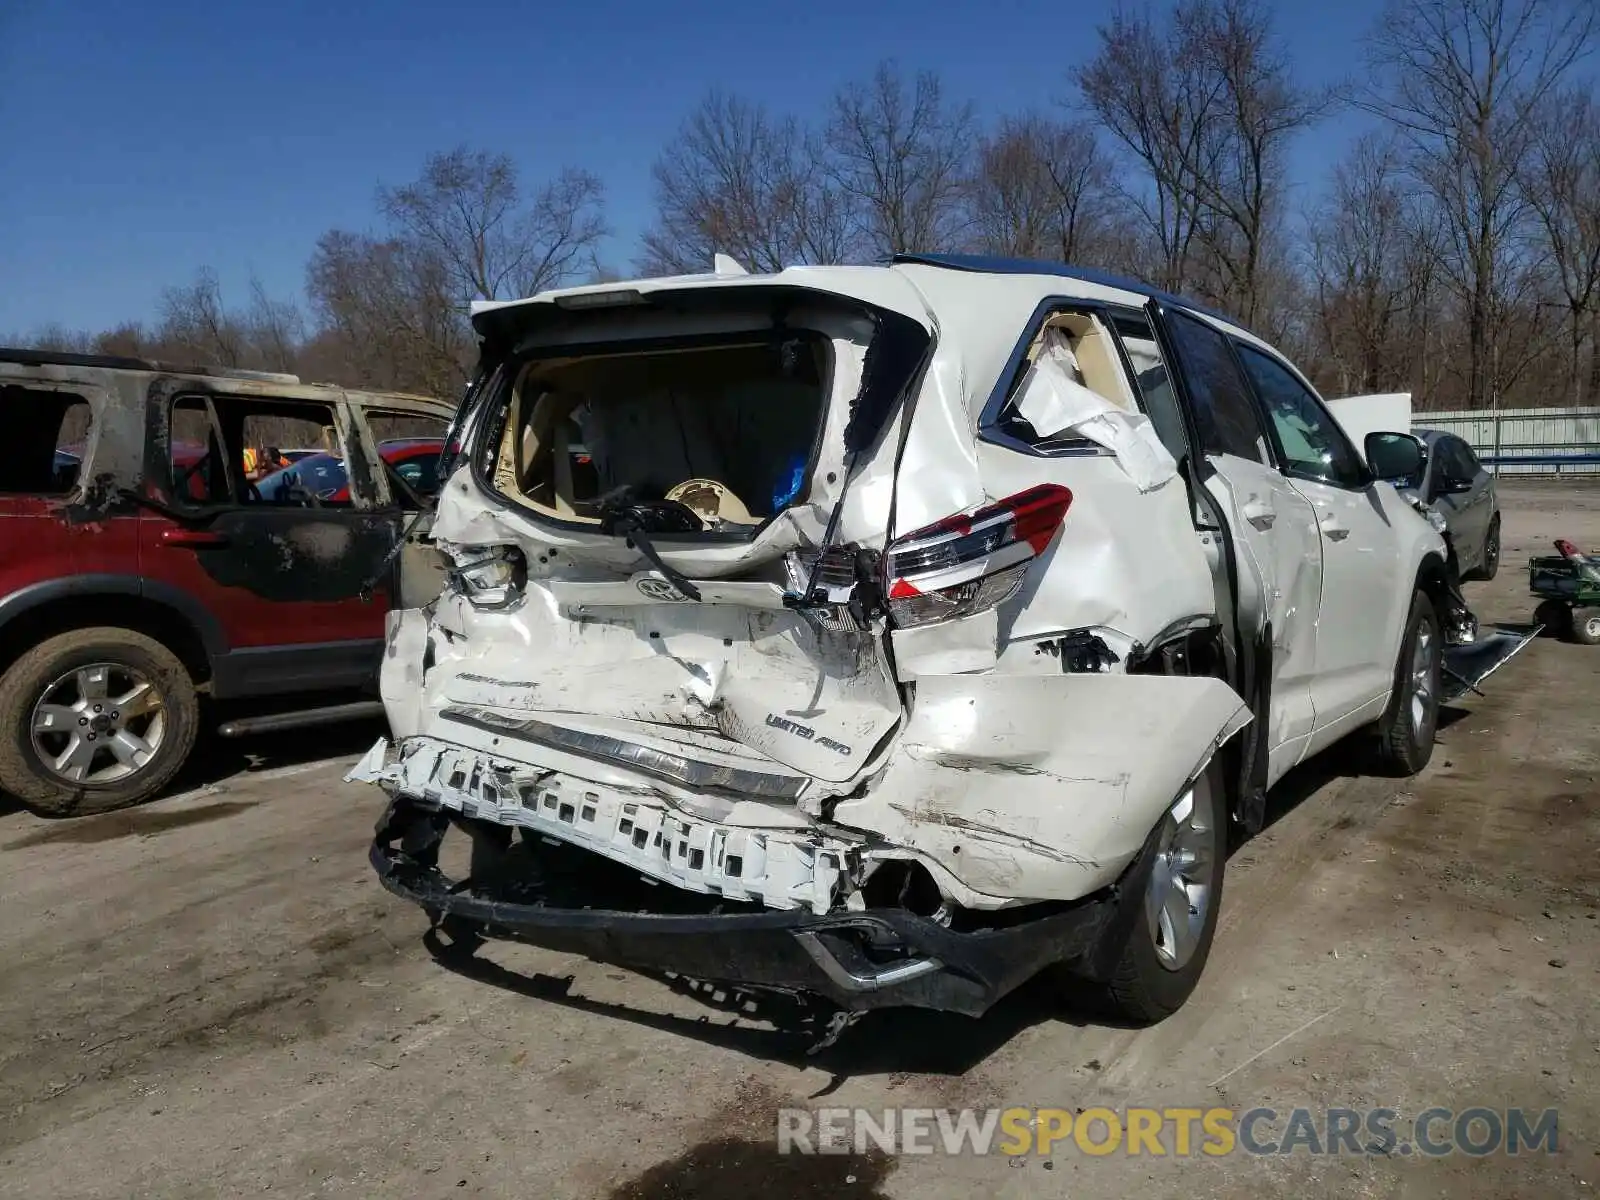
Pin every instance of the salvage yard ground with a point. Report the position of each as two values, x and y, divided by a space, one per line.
212 996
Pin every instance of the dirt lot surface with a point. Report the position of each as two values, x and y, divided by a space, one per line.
212 996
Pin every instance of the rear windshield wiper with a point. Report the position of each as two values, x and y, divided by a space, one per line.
623 516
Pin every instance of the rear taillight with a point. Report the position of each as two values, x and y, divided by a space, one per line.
971 561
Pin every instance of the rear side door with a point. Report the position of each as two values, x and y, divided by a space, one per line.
285 576
1274 527
1364 596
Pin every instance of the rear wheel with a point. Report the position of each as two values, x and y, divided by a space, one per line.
1585 626
1491 551
1557 618
1405 732
93 720
1170 937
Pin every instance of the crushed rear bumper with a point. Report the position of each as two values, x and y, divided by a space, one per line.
875 958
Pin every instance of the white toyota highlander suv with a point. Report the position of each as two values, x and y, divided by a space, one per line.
887 634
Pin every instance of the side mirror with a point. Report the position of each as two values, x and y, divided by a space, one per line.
1399 458
1453 487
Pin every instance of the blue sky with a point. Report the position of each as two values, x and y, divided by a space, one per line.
143 139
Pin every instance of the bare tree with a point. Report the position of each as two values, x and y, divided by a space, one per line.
274 330
1562 183
1206 102
1153 90
1039 190
1245 151
900 154
467 212
387 316
197 324
1359 237
391 310
55 337
740 181
129 339
564 226
1461 81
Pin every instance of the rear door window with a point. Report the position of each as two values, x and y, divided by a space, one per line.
1153 382
1224 413
47 433
410 446
232 451
421 473
194 454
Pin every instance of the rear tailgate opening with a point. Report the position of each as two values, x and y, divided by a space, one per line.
627 654
717 437
696 416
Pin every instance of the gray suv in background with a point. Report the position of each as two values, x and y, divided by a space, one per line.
1456 483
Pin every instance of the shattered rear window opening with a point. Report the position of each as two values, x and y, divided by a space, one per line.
728 429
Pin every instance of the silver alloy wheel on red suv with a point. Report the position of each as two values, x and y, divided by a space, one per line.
94 719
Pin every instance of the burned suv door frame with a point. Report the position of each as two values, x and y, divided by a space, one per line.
270 568
412 570
80 589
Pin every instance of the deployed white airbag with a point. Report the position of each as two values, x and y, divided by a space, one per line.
1054 402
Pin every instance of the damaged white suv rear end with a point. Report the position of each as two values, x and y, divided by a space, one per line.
878 634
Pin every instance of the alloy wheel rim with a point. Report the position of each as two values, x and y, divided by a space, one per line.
98 724
1178 897
1421 679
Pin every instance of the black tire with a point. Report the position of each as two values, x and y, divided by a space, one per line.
1143 988
1556 617
1490 567
1584 625
1406 729
24 774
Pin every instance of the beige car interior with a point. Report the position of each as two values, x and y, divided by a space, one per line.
713 427
1099 366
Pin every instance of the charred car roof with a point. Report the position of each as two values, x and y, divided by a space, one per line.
19 365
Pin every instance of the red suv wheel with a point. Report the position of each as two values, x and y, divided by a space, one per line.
93 720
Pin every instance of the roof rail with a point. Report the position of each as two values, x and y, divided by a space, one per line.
64 358
282 377
67 358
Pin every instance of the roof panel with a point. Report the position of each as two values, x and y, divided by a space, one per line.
996 265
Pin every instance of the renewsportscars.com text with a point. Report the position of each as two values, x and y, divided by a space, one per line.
1162 1132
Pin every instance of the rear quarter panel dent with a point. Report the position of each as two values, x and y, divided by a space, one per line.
1057 804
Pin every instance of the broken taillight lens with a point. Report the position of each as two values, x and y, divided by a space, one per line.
972 561
490 577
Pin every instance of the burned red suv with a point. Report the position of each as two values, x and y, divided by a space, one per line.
148 582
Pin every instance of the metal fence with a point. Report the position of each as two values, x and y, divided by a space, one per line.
1526 441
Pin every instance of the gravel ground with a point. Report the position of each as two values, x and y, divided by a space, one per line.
211 996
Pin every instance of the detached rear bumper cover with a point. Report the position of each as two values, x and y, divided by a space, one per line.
1465 667
858 960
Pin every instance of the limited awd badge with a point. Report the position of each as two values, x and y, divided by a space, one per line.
660 590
